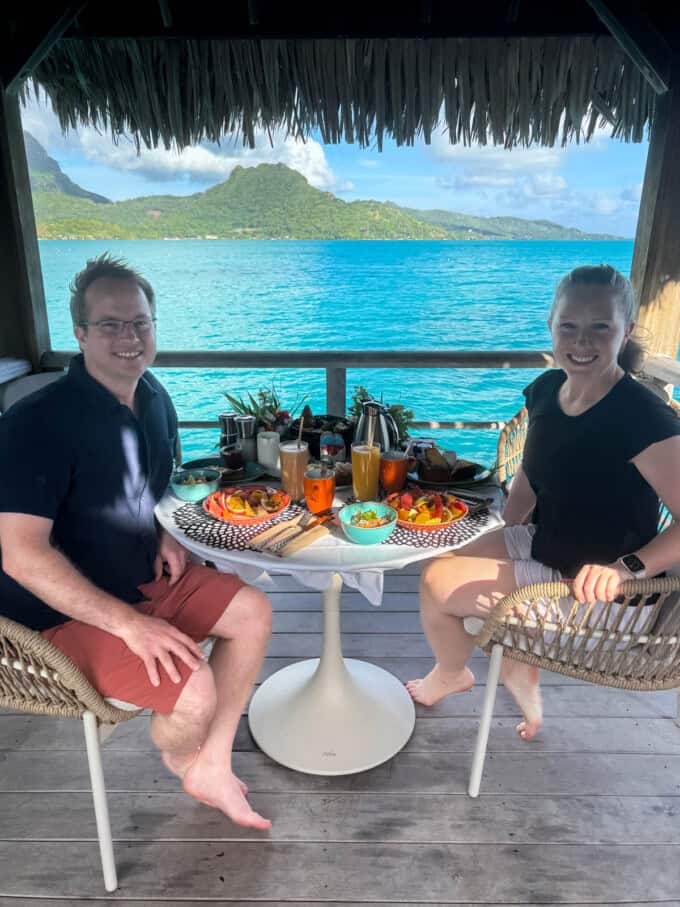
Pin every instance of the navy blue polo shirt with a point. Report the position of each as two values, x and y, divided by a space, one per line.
72 453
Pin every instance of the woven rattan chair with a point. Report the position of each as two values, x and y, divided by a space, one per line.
36 677
511 447
632 648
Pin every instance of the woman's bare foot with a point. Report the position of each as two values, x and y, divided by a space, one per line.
178 765
522 681
222 790
439 684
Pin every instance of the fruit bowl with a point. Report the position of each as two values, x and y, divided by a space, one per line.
194 484
367 535
426 512
246 505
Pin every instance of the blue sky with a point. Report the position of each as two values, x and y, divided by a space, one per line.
594 186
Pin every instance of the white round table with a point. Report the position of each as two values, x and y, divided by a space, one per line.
329 715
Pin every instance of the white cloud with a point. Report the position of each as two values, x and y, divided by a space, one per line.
598 204
495 157
519 175
201 163
603 203
548 184
632 193
492 180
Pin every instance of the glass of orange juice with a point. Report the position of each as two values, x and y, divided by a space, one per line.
365 471
319 485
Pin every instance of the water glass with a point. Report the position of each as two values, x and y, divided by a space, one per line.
268 451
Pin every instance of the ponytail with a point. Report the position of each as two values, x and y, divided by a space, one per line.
632 356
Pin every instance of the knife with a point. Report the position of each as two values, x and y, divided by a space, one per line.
301 540
262 539
278 542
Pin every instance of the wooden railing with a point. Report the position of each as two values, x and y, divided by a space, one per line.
335 363
662 370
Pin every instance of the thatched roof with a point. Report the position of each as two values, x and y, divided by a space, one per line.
505 90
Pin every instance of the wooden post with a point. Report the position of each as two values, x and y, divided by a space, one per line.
336 391
23 315
655 273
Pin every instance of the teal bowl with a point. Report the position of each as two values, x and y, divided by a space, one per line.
187 490
367 536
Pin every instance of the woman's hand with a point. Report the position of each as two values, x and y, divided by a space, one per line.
597 582
170 552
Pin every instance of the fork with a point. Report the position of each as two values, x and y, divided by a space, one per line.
309 521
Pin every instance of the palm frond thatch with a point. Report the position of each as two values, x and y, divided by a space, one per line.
506 91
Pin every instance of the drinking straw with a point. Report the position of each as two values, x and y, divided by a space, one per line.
299 437
371 426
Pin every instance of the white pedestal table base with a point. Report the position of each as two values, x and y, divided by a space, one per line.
331 716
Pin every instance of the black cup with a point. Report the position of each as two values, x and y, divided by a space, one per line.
232 458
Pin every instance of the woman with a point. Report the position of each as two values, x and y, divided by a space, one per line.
601 450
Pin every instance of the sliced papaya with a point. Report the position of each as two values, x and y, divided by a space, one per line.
235 503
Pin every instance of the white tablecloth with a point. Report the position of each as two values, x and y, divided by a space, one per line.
361 567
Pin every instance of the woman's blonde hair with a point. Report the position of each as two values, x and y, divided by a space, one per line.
632 355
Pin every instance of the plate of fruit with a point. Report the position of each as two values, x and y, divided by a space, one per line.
426 512
246 505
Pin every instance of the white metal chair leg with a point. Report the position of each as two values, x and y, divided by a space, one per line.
101 808
485 720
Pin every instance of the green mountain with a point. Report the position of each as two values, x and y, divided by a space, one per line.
47 176
269 201
500 227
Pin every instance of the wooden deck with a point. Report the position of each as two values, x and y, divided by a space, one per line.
588 813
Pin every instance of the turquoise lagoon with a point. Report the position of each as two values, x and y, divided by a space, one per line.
286 295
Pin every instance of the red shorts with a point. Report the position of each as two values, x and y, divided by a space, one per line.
194 605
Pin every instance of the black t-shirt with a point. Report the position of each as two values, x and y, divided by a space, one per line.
72 453
592 504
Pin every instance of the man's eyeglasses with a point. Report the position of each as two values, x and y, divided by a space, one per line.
114 328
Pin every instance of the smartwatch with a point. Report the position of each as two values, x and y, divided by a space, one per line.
633 565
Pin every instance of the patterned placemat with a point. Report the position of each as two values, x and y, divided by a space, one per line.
197 525
459 533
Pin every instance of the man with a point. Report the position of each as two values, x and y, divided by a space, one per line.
83 462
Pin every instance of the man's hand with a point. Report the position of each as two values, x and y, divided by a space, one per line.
155 640
596 582
170 552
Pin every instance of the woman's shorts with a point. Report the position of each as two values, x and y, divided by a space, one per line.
528 571
518 541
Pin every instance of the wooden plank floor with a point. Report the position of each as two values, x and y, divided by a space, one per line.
588 813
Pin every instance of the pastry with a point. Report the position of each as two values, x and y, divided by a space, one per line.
432 467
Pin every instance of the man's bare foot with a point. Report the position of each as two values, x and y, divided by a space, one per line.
224 791
439 684
522 681
178 765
